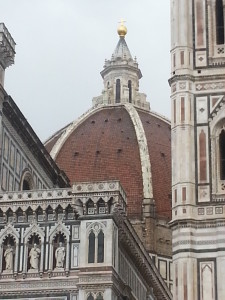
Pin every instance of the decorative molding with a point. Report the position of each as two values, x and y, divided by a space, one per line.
220 85
9 230
59 228
36 285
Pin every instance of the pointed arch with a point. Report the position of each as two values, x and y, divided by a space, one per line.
99 296
59 228
90 207
101 206
29 211
69 212
96 243
91 247
90 297
34 229
27 181
100 257
9 230
21 216
59 209
50 213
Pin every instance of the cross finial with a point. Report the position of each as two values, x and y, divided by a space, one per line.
122 21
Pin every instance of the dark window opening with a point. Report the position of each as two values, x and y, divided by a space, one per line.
91 248
202 155
130 90
101 207
222 155
90 206
26 185
90 297
100 247
219 22
117 90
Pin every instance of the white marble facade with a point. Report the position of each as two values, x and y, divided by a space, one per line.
198 118
66 247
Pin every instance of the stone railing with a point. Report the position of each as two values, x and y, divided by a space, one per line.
99 187
110 192
35 195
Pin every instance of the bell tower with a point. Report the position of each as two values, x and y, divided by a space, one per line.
198 148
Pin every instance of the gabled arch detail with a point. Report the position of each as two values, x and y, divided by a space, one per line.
9 230
32 230
59 228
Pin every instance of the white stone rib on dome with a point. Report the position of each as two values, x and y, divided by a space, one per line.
68 130
141 139
143 150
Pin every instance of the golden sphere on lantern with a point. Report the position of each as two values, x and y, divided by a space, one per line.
122 29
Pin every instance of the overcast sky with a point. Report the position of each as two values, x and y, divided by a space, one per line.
61 48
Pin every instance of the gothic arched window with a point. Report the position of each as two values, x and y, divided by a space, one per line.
91 248
117 90
27 182
219 22
130 90
90 297
99 297
222 154
100 247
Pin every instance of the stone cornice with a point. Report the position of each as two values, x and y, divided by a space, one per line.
131 241
193 78
197 224
96 189
119 67
105 190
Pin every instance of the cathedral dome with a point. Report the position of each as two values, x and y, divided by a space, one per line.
105 145
119 138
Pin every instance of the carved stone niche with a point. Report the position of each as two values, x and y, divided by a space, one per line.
8 255
59 253
33 254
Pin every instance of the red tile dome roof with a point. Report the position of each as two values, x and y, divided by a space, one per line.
103 145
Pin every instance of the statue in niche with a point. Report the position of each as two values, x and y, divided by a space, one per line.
60 255
9 258
34 257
